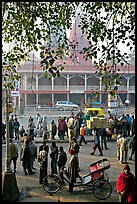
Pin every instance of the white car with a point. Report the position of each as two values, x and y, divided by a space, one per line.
66 105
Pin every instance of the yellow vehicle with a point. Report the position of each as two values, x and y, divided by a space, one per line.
95 112
95 118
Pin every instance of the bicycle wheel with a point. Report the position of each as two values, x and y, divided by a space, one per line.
51 183
101 189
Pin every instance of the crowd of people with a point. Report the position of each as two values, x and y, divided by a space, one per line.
74 127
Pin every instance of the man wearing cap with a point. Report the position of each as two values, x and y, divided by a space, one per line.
126 185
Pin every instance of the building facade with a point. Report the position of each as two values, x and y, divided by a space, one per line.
77 82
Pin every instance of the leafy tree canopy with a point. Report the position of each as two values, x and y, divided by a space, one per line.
31 26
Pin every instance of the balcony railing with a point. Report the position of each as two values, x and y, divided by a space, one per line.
76 87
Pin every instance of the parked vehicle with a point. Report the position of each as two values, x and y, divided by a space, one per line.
66 105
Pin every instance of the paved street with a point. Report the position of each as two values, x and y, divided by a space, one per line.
32 191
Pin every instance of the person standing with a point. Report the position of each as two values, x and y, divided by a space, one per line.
39 121
21 131
82 137
43 160
33 151
96 142
123 142
70 130
16 128
25 158
61 128
103 140
118 145
31 127
125 185
13 153
73 169
76 148
61 161
54 157
76 127
128 124
44 125
53 129
132 125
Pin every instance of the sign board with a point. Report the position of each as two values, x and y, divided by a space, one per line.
15 93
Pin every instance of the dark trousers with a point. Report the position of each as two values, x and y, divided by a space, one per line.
42 175
14 159
82 138
99 148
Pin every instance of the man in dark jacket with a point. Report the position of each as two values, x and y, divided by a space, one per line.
61 162
25 158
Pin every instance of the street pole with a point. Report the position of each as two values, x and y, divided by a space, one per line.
10 191
7 167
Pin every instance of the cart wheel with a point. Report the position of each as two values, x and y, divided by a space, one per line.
101 189
51 183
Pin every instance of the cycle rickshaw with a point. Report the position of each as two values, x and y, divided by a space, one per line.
96 180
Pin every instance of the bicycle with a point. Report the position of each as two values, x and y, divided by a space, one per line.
95 180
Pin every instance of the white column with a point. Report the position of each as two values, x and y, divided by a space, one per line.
25 80
85 82
85 98
67 96
67 81
37 99
53 102
37 79
25 103
52 88
128 88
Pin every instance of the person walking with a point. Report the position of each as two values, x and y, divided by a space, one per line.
25 158
96 142
54 157
103 140
61 161
43 160
125 185
13 153
82 137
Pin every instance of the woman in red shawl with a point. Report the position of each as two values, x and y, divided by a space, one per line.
126 185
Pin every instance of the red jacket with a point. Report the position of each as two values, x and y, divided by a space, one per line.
126 183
